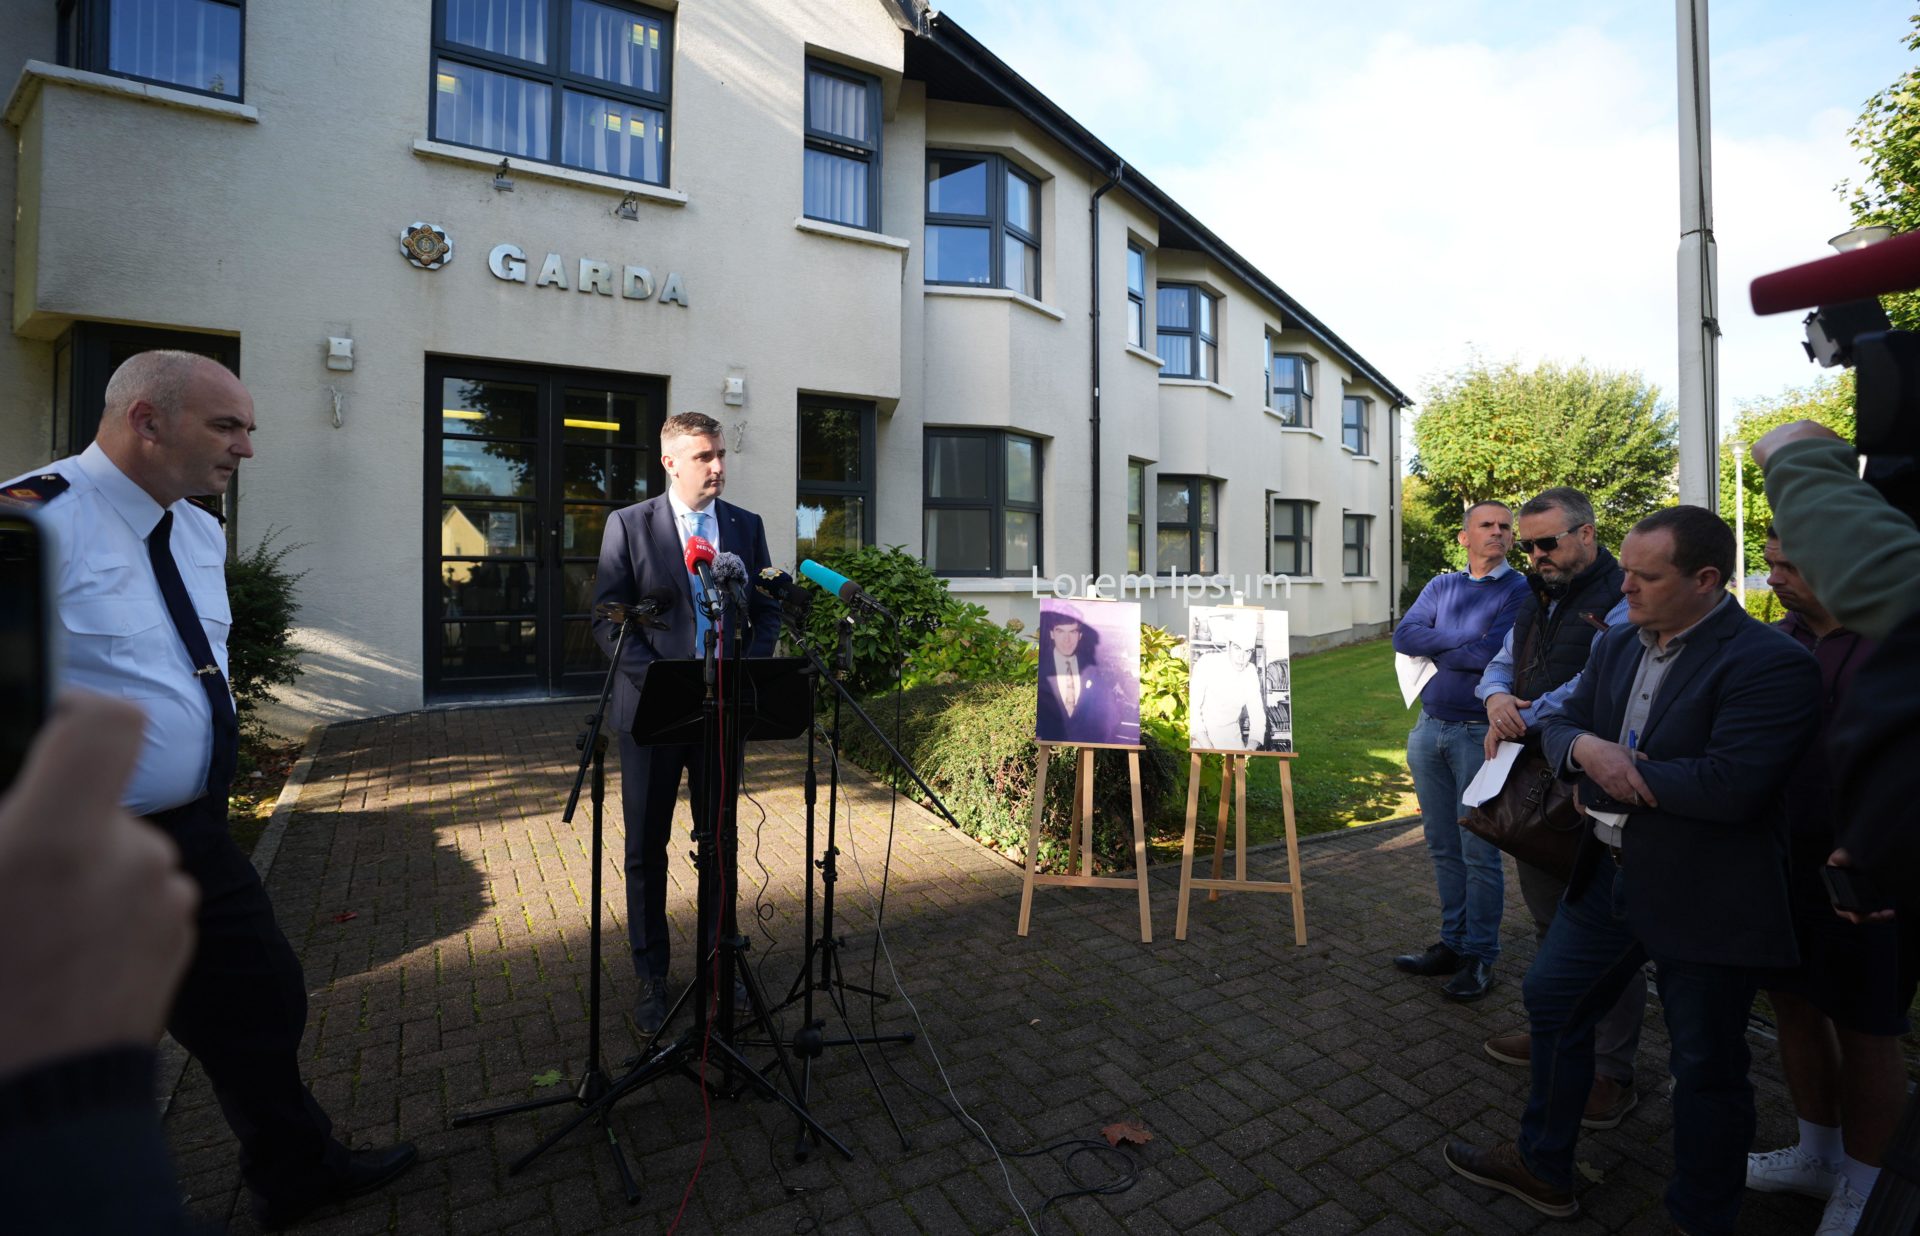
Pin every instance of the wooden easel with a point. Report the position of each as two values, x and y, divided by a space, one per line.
1233 781
1080 834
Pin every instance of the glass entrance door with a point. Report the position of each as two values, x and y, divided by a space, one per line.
523 468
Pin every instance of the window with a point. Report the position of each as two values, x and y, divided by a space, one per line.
582 83
982 502
1136 296
835 488
1189 532
1290 389
193 45
1354 412
1184 317
1136 516
1356 548
983 223
1289 537
842 146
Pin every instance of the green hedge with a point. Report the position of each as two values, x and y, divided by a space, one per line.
974 745
1762 604
260 651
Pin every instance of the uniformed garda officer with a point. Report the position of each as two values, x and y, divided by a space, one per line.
140 584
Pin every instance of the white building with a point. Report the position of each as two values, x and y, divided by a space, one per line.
931 308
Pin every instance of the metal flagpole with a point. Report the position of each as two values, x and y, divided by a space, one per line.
1698 268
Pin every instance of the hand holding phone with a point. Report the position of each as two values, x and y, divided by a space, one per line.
1852 894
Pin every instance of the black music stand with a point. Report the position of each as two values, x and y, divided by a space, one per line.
680 702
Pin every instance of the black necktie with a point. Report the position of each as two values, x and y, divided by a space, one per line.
173 590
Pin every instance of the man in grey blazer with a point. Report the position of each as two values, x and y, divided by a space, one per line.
642 557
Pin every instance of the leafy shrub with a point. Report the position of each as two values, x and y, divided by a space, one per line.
973 742
1163 687
1765 606
260 651
899 581
971 647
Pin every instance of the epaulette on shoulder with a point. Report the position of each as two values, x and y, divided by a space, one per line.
211 506
34 490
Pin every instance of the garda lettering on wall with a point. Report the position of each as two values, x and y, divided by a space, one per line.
509 263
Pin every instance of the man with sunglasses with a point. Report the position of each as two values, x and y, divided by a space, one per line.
1576 589
1460 621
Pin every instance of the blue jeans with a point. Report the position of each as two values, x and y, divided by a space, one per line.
1588 957
1443 756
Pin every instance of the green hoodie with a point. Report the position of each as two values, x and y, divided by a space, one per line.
1860 556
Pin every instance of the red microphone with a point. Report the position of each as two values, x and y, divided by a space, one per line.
1892 265
700 561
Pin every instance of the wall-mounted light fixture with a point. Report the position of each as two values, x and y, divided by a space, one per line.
629 208
502 181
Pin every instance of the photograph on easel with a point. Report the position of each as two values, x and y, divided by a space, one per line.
1240 690
1089 672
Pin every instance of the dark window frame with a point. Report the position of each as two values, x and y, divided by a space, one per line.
994 222
1195 526
838 144
1206 344
1301 417
85 41
1350 522
1136 297
869 456
1137 520
1300 540
560 79
996 503
1359 441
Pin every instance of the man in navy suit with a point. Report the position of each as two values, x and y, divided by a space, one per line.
643 556
1682 732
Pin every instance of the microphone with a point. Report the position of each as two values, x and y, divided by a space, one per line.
850 593
700 557
795 601
731 574
642 614
1892 265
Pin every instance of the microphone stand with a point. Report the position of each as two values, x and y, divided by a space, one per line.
594 1083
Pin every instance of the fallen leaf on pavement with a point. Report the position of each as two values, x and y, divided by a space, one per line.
345 916
1126 1132
1587 1170
549 1078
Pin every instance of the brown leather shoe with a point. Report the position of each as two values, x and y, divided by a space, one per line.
1502 1168
1608 1103
1511 1048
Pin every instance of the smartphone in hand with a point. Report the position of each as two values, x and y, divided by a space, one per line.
26 654
1851 891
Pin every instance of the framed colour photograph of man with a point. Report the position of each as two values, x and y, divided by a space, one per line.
1089 676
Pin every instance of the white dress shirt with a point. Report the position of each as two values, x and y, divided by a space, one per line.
114 636
680 523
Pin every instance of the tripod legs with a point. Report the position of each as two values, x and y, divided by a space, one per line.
811 1041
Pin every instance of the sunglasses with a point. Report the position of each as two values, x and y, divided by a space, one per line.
1546 544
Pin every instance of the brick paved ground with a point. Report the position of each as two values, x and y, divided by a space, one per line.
1298 1089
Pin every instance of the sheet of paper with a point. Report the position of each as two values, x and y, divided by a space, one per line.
1492 775
1612 819
1415 673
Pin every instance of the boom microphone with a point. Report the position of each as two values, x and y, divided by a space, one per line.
850 593
1892 265
731 574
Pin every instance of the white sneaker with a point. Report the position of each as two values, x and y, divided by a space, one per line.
1791 1170
1843 1210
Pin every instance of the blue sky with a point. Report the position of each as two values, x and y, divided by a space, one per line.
1440 179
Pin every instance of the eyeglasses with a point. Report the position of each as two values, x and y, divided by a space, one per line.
1546 544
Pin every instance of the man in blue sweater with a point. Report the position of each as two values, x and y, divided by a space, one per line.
1459 622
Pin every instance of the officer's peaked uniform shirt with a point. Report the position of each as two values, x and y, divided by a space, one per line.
116 637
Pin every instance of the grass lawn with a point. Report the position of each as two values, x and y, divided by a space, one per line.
1351 731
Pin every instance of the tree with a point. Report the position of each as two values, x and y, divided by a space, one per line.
1504 433
1828 400
1887 135
1428 522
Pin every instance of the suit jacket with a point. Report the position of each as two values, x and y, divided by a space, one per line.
1092 721
1706 871
640 557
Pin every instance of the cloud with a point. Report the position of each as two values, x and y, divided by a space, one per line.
1427 189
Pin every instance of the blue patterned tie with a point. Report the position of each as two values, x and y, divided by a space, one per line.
697 525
